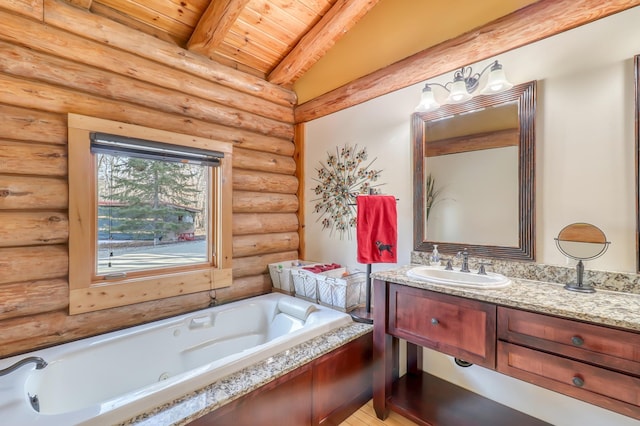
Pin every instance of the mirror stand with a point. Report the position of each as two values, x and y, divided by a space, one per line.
581 241
579 285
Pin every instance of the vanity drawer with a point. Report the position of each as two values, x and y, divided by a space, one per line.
453 325
608 389
612 348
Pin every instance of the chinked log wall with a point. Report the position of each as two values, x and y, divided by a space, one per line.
57 59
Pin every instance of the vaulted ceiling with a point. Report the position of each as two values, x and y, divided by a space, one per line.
282 40
276 39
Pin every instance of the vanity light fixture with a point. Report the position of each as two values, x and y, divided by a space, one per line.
464 86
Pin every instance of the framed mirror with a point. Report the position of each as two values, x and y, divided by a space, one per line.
473 176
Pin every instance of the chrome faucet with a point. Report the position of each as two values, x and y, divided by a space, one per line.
464 254
39 362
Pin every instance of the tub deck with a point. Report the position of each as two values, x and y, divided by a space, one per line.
205 400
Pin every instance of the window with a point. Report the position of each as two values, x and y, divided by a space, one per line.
149 214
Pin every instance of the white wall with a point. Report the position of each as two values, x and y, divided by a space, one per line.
584 172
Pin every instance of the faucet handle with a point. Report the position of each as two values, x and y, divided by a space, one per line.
481 270
449 266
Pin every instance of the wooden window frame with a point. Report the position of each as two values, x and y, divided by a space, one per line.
89 293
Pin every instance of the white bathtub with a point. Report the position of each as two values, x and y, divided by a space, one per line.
112 377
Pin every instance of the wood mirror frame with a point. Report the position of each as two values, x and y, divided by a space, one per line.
636 62
525 97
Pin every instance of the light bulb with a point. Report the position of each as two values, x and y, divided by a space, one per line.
458 92
497 81
427 101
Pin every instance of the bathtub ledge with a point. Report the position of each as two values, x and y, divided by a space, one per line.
198 403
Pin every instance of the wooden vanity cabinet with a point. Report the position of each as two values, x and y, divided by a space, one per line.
453 325
592 363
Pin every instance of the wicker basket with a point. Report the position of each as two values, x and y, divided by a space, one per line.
331 288
280 273
305 284
341 292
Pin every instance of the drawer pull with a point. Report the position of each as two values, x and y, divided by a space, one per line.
578 381
577 341
435 321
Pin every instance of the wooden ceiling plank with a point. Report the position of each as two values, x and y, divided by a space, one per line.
150 17
32 8
243 57
174 10
297 10
527 25
278 16
242 50
256 46
341 18
214 25
191 7
320 7
171 9
85 4
107 12
255 20
266 38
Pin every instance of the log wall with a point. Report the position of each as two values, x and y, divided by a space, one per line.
58 59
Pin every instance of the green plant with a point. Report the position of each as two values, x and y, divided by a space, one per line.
431 194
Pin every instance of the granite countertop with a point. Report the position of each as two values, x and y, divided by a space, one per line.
200 402
611 308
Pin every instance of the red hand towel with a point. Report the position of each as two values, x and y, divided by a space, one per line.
377 229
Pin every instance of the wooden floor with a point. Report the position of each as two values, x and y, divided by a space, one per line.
365 416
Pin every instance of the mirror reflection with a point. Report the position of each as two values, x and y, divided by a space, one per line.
474 176
581 241
472 160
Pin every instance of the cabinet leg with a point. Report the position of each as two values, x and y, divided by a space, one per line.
383 351
414 358
381 411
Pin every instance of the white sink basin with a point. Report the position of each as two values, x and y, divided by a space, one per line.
455 278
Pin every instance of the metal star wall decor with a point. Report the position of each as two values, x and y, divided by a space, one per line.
343 177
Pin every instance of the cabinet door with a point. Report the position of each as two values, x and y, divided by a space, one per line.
284 402
342 381
459 327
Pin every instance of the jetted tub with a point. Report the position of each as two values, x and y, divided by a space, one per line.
115 376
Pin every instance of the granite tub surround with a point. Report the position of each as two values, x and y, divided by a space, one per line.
612 308
198 403
601 280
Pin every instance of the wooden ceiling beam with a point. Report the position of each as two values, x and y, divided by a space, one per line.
342 16
214 25
527 25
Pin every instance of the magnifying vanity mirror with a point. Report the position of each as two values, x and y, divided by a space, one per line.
581 242
474 176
